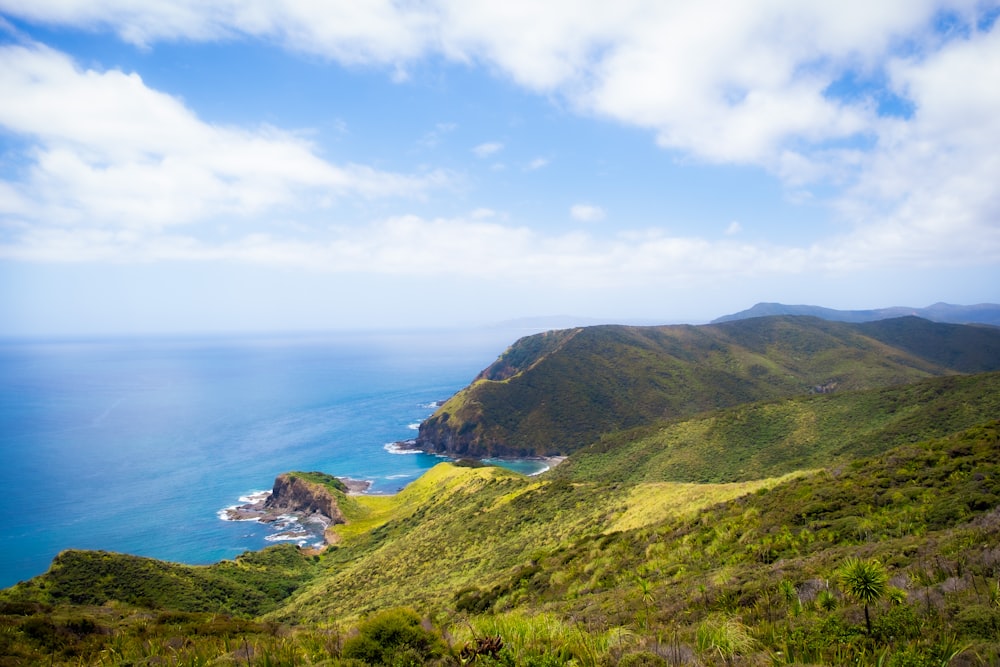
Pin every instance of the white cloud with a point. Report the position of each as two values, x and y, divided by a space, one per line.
717 81
586 212
927 194
380 31
475 248
487 149
537 163
126 155
724 80
734 228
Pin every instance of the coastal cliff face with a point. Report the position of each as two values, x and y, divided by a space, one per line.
292 494
311 497
554 393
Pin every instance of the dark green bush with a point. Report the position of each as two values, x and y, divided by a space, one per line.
979 621
395 638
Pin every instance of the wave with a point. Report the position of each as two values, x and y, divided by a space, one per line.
226 515
243 511
414 427
401 447
301 538
254 497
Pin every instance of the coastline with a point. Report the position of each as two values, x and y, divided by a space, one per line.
309 530
547 462
353 394
551 462
404 447
254 507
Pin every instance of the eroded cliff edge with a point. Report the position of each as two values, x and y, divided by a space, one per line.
311 497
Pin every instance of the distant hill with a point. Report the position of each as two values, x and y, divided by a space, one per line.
768 439
983 313
556 392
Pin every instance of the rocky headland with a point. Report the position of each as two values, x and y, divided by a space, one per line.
311 498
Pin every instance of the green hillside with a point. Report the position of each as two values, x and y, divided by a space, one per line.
757 440
857 527
555 393
595 574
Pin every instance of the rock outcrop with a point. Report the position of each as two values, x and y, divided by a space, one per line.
292 494
309 497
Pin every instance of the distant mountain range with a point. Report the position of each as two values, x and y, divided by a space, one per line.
982 313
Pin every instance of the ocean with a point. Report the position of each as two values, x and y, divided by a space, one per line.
137 445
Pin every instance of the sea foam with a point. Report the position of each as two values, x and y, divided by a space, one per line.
400 447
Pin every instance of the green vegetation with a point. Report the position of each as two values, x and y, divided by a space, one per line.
395 638
321 478
761 439
544 565
865 581
252 584
855 528
530 402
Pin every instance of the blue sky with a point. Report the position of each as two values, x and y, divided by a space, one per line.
268 165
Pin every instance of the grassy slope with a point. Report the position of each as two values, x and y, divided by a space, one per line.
610 556
594 572
623 377
458 527
249 585
545 560
771 438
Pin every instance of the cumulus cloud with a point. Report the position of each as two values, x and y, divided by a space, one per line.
926 194
586 212
751 83
130 156
728 81
380 31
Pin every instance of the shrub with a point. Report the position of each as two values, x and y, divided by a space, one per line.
865 581
979 621
725 637
394 638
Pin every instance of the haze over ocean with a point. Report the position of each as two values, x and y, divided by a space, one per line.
135 445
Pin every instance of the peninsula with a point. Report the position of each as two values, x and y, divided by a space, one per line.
310 497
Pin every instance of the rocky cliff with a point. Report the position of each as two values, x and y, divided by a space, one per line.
294 494
311 497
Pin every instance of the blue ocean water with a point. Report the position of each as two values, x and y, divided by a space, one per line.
136 445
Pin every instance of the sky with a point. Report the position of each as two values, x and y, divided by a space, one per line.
270 165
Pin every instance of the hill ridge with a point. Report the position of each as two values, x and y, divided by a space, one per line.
981 313
552 393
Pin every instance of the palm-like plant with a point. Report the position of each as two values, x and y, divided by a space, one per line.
865 581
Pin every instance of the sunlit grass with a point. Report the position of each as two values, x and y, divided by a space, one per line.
652 503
